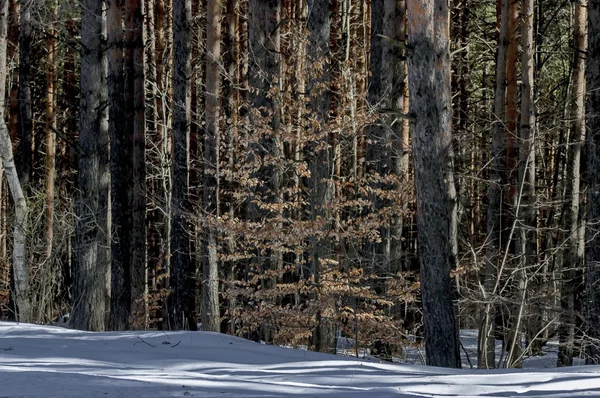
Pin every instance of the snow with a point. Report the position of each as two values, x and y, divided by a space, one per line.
40 361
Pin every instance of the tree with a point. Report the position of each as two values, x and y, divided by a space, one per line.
593 166
135 105
25 106
431 106
182 269
574 254
121 149
20 266
211 319
91 266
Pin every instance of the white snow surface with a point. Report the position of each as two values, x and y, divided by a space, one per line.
41 361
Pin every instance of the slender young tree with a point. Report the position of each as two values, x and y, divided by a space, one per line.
573 256
182 272
210 272
431 106
593 169
91 267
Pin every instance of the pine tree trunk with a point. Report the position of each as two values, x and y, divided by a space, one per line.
572 258
429 77
90 268
135 104
593 167
182 268
211 319
24 94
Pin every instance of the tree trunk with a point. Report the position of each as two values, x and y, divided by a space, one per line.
90 268
183 305
572 259
429 78
120 167
51 83
20 267
25 111
135 104
211 319
593 156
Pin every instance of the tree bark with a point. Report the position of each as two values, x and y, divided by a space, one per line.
572 258
135 104
24 94
429 80
90 268
593 166
182 308
121 173
211 319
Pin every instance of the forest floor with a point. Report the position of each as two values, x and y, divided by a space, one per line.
41 361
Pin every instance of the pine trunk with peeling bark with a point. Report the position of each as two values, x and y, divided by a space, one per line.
211 319
429 78
91 267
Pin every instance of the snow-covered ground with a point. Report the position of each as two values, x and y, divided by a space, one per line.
39 361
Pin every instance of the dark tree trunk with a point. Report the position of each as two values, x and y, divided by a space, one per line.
121 173
593 169
24 94
90 268
429 78
182 309
320 161
135 105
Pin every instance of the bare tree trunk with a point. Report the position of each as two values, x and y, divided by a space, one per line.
526 212
429 77
593 156
320 161
51 83
135 104
211 319
486 343
572 259
20 267
90 270
121 173
25 111
182 308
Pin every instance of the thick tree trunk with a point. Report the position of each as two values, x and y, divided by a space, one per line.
135 104
121 173
572 258
593 167
90 268
429 80
211 319
183 305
